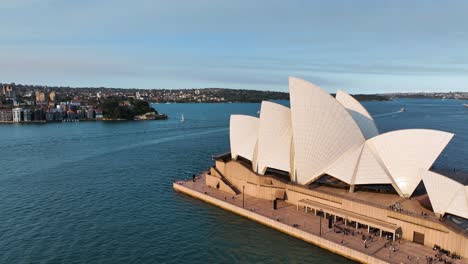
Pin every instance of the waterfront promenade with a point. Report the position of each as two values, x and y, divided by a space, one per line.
341 239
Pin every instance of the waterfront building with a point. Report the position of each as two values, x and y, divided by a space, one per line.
99 114
325 155
6 115
72 107
8 90
17 115
38 114
52 96
81 114
40 97
50 115
58 116
27 115
62 107
71 114
90 113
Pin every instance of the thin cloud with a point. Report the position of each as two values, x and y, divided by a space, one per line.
357 45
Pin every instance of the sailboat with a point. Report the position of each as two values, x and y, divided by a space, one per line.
182 119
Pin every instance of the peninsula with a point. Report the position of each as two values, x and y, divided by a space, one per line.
46 105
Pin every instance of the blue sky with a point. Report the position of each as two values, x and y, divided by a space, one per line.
358 46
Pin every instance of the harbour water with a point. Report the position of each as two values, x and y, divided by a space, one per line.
101 192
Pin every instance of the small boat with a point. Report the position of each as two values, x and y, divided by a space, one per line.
182 119
402 109
465 105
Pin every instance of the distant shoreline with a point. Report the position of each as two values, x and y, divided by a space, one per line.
43 122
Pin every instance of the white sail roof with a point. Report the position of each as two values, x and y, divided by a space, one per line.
441 191
274 138
407 153
322 130
359 166
319 135
243 133
459 204
370 170
344 168
359 113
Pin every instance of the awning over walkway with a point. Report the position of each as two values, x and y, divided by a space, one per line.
351 216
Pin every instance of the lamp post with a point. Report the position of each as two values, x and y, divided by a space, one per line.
243 196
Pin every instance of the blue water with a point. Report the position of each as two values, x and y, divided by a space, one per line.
95 192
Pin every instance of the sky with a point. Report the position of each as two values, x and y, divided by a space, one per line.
360 46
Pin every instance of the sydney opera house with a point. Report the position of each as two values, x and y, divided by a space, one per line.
322 138
324 154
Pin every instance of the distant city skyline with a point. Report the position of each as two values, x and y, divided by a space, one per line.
357 46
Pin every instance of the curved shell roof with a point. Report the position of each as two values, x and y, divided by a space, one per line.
344 168
322 130
359 113
274 138
459 204
409 152
446 195
243 131
370 169
320 135
360 166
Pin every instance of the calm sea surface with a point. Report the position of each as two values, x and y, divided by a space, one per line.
95 192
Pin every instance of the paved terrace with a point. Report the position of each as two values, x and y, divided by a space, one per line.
401 251
407 206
